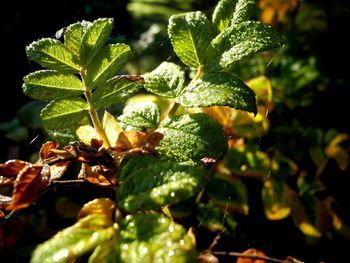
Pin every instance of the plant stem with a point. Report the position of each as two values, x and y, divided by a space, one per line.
93 114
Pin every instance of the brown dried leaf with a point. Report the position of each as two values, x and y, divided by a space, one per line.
252 253
57 170
206 256
103 206
10 170
29 183
98 175
46 150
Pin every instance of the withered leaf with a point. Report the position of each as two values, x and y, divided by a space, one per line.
251 252
206 256
27 186
46 150
4 201
98 175
57 170
9 171
129 140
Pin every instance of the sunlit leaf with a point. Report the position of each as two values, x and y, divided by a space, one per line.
107 63
167 80
154 236
219 89
72 242
52 54
103 206
98 175
245 39
63 113
190 34
94 37
158 184
229 12
192 136
107 252
114 91
141 114
86 133
111 127
73 36
49 84
229 193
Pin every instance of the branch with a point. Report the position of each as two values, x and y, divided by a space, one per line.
242 255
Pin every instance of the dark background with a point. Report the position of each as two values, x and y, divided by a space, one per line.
23 22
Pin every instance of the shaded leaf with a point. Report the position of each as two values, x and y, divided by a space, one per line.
94 38
190 34
114 91
48 85
248 161
29 183
159 184
214 219
98 175
52 54
107 63
141 114
167 80
252 252
192 136
219 89
228 193
154 236
276 197
63 113
10 170
72 242
229 12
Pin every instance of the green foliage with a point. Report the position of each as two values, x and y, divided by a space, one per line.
158 153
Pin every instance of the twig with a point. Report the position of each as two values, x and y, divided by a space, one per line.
242 255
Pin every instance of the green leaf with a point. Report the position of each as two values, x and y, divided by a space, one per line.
73 36
154 237
114 91
94 38
63 113
219 89
245 39
48 85
52 54
248 161
277 199
107 252
141 114
167 80
192 136
229 12
72 242
212 218
190 34
229 193
107 63
156 184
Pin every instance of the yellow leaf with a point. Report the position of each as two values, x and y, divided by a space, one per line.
86 133
339 155
103 206
111 128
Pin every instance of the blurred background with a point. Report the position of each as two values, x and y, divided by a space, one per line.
306 117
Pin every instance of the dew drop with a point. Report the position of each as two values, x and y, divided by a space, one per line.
182 242
169 243
171 228
162 220
144 250
172 194
171 253
125 246
60 255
